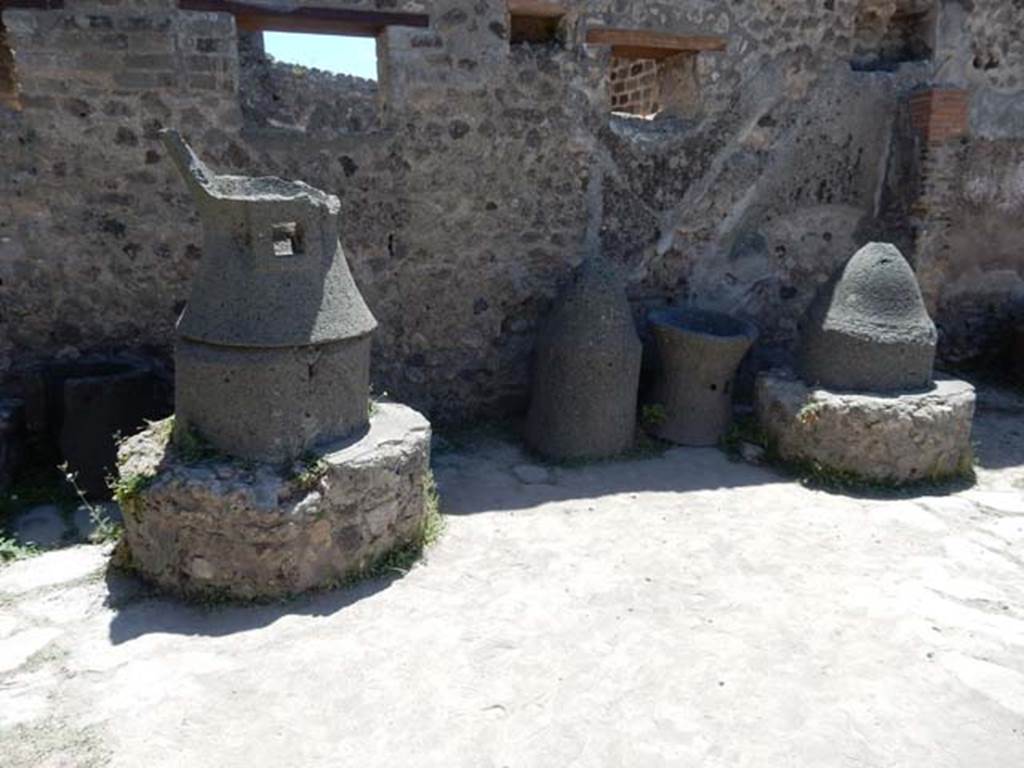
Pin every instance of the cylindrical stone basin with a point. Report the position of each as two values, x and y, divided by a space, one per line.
699 353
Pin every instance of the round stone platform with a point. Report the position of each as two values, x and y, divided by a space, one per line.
253 530
895 439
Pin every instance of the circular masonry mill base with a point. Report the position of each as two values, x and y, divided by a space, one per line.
252 530
895 439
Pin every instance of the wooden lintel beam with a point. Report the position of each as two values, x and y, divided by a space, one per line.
538 9
37 5
646 44
639 52
258 22
330 21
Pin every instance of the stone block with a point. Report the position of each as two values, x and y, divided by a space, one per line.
254 530
893 439
699 353
587 370
868 327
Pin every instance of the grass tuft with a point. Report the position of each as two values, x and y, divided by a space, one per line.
11 550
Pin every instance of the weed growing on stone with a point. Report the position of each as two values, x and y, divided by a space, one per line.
11 550
373 402
311 468
104 529
126 489
653 415
810 413
192 447
744 429
812 474
402 558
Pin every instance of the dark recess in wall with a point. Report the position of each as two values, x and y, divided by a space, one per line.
903 38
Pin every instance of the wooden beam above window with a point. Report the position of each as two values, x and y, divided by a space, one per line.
645 44
538 9
36 5
327 21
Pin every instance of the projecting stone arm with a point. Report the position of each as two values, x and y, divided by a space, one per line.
199 178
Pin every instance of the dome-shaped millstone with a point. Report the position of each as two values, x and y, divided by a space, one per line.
868 328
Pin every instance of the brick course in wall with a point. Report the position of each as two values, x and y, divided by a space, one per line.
633 86
940 114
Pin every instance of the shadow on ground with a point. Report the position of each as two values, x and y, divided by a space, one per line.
489 471
141 609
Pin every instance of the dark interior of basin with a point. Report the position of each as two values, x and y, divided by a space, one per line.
703 322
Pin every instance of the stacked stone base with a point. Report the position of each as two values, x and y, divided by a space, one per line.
250 530
895 440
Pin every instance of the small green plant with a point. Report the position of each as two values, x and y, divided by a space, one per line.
744 429
373 404
311 469
103 528
653 415
127 488
192 447
810 413
11 550
402 558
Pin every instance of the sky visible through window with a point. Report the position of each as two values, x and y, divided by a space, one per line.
333 53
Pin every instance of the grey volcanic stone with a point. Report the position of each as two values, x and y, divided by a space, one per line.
273 273
587 370
868 328
272 404
897 439
699 353
273 355
260 532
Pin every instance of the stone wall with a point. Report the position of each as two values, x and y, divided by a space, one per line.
475 175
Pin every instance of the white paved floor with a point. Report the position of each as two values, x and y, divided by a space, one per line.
678 611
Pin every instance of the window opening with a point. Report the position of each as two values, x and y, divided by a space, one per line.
536 22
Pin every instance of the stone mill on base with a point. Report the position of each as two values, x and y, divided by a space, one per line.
274 476
866 404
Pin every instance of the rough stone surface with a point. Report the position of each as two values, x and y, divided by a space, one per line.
247 531
273 273
682 610
891 439
868 328
272 404
273 355
698 354
476 172
587 371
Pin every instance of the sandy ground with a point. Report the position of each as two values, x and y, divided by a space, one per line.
677 611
